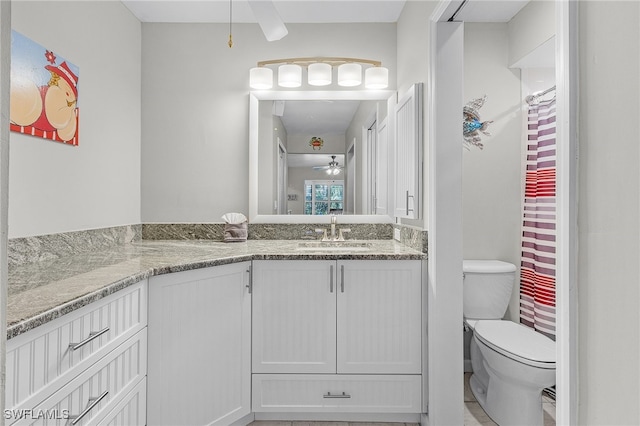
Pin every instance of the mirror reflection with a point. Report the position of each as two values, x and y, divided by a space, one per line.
315 157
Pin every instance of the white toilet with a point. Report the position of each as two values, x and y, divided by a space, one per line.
511 363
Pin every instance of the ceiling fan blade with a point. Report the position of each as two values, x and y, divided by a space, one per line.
267 16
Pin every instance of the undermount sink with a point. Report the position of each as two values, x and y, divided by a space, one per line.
333 246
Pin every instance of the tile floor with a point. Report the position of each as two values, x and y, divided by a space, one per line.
474 415
303 423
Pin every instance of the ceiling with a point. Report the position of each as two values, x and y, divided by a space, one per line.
310 11
313 160
291 11
316 117
313 11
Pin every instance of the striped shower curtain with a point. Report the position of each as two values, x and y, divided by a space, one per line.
538 262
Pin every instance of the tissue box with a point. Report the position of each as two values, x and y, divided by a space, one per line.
235 232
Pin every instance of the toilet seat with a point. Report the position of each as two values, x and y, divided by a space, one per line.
517 342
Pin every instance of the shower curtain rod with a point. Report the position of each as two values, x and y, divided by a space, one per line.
532 98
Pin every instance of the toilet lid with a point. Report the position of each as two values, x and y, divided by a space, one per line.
517 342
487 266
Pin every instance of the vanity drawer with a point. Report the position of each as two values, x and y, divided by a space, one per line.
336 393
96 391
41 360
130 410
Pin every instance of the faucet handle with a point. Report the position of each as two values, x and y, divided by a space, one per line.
323 232
343 231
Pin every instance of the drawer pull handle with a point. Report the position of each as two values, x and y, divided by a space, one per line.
342 395
92 403
92 335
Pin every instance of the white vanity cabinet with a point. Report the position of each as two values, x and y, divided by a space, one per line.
81 365
199 346
294 316
337 336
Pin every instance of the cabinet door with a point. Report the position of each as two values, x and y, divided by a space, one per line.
408 153
294 316
379 317
199 346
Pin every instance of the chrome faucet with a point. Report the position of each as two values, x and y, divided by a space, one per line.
332 235
334 220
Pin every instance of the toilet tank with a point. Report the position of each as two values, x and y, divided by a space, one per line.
486 288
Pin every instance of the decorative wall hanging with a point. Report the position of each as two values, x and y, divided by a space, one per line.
316 142
44 92
472 126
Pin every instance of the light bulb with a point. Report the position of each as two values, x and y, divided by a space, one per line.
319 74
290 75
349 74
261 78
376 78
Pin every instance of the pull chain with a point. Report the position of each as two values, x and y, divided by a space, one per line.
230 43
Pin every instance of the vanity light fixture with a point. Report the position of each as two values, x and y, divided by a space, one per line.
319 73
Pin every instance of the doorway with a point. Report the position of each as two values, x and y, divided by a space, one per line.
445 98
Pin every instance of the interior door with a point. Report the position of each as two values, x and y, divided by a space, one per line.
408 153
381 195
282 178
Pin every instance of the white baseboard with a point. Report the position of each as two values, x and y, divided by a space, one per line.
344 417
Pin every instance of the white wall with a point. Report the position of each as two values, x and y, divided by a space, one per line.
531 28
491 179
58 188
196 107
332 143
413 67
609 213
5 59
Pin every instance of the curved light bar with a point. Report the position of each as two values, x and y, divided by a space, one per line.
319 72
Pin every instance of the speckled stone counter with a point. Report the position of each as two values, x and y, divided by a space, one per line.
42 291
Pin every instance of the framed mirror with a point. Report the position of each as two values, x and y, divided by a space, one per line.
313 154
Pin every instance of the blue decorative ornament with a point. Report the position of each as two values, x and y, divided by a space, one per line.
472 126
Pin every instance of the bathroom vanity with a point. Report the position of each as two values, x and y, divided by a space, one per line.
88 366
233 332
337 336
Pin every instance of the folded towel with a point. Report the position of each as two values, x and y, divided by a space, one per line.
235 228
235 232
234 218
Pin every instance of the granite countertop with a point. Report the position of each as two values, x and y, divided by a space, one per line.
42 291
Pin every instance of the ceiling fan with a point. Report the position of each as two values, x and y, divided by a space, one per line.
332 169
269 19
